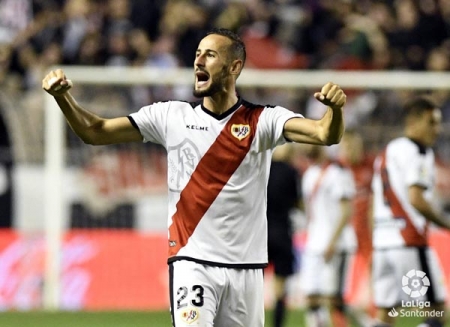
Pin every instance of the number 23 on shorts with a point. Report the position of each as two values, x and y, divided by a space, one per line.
188 302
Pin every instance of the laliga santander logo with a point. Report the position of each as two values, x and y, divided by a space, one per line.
415 283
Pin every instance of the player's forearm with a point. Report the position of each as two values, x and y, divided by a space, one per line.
429 213
346 212
437 219
332 126
421 204
326 131
82 122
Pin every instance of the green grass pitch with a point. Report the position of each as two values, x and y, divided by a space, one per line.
126 319
84 319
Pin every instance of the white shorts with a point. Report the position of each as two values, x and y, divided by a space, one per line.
321 278
404 274
206 296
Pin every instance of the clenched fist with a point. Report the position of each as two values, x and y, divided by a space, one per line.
56 83
332 96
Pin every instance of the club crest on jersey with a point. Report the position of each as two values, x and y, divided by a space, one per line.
189 315
182 160
240 131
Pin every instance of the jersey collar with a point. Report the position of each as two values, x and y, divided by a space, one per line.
422 148
224 114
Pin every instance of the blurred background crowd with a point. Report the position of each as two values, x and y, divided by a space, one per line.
36 35
290 34
319 34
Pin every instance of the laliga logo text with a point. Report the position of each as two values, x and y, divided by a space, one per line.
415 283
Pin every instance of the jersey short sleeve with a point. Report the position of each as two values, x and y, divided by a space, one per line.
272 123
417 171
152 121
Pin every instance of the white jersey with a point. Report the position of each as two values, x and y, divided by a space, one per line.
396 222
323 189
218 168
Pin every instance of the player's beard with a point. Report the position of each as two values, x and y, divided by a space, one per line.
217 85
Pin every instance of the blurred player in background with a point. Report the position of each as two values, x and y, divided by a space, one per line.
352 154
283 195
328 189
403 208
218 152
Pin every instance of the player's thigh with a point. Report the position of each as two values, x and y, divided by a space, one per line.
388 268
282 258
386 279
313 276
193 294
242 304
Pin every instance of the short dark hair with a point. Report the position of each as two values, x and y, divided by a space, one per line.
417 107
237 48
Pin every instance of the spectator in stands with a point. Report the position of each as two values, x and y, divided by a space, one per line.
16 17
118 49
78 23
186 22
438 60
30 43
318 34
91 50
145 15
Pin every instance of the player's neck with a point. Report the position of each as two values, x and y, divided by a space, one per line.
322 160
415 138
219 103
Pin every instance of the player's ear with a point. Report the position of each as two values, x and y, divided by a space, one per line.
236 67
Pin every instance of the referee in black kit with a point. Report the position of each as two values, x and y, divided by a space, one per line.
283 195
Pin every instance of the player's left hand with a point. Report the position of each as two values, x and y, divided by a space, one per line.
332 96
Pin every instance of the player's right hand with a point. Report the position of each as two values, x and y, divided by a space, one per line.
332 96
55 83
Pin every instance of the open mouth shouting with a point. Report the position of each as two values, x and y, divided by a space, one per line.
202 78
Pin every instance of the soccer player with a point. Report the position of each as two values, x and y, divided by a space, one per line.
283 196
353 155
328 189
402 210
218 153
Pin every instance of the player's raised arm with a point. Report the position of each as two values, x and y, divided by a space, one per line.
91 128
326 131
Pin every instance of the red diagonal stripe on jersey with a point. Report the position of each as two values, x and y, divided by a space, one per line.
210 176
410 234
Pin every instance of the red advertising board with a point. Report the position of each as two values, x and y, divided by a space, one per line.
115 269
102 269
